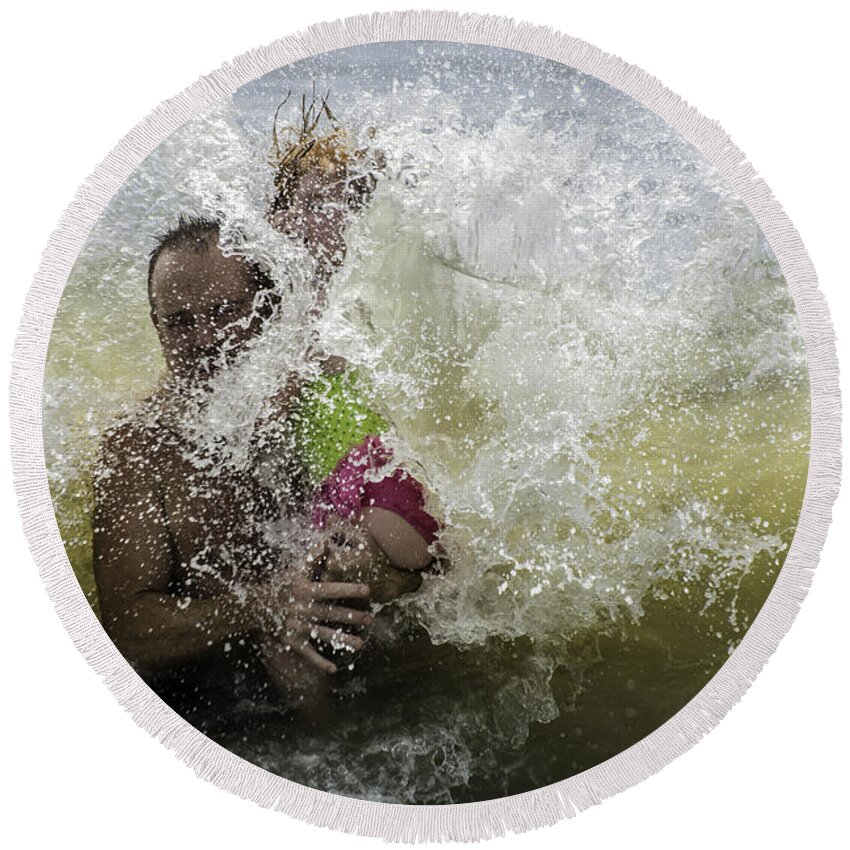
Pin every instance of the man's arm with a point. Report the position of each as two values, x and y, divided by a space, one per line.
133 563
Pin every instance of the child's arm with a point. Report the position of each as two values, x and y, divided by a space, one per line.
330 364
280 405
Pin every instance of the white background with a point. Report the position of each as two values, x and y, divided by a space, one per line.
76 78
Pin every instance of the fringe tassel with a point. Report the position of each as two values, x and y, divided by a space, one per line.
474 821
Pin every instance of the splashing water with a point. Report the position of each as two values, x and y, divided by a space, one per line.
588 352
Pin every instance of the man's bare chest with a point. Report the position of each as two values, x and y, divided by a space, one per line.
217 519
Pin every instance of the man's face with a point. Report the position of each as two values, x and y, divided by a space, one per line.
202 305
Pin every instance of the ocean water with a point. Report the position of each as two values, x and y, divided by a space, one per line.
587 350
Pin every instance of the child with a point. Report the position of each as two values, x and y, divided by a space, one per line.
318 183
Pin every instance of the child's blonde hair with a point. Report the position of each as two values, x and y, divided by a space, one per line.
306 148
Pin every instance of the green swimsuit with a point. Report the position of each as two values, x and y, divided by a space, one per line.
337 437
332 418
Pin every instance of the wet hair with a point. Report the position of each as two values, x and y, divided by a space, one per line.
307 146
199 233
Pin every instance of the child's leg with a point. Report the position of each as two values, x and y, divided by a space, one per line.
404 546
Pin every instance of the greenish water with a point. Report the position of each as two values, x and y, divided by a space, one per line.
609 683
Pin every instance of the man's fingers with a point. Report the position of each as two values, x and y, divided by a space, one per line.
341 615
339 590
282 665
306 651
337 638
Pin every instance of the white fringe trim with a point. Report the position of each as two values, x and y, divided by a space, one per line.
473 821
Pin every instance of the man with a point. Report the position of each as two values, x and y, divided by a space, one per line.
190 591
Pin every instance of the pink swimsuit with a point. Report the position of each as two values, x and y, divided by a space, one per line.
350 488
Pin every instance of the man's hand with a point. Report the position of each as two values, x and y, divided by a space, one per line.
352 554
295 610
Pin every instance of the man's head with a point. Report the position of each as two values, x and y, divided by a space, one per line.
204 304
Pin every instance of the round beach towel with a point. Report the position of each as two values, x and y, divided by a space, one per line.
594 349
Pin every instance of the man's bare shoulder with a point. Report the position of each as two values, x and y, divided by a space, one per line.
135 440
